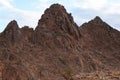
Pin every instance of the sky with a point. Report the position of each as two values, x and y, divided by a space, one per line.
28 12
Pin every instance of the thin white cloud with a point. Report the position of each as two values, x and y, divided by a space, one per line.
107 9
25 17
30 18
43 1
6 3
89 4
102 6
113 8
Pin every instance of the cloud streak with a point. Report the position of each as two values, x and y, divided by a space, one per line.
6 3
82 11
23 16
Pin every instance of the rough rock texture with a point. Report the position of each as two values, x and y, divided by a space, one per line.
27 33
100 35
58 49
12 33
98 75
55 24
101 43
56 18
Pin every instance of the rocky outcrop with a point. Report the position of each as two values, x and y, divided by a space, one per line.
27 33
56 18
102 41
58 49
56 27
96 33
12 33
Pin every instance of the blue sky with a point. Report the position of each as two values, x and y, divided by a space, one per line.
28 12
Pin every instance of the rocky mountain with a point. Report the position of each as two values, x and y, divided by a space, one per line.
12 33
58 49
100 33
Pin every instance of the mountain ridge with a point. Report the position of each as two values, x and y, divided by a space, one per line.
58 49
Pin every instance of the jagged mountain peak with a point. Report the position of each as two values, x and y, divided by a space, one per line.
52 52
56 10
57 7
56 18
99 33
11 29
96 23
97 20
12 33
12 26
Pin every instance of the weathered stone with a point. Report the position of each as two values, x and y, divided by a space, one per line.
58 49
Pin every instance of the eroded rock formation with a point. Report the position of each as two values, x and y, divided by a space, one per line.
58 49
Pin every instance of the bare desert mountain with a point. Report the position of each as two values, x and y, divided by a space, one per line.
58 49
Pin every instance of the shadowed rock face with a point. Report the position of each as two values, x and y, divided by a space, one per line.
58 49
12 32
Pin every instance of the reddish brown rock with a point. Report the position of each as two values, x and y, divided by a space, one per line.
99 34
102 41
12 33
57 49
27 33
56 28
56 18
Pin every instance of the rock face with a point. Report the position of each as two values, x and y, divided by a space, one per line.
27 33
12 32
58 49
56 18
96 32
55 24
99 39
